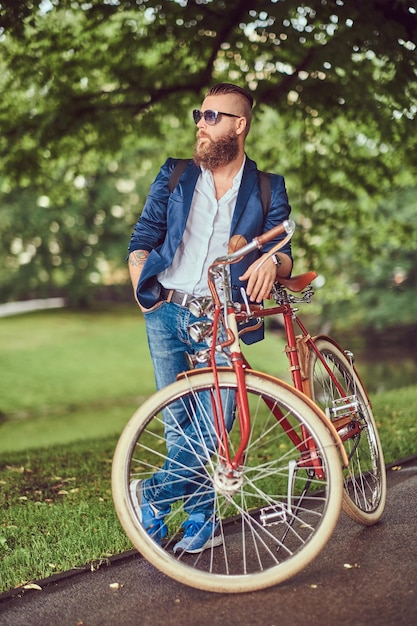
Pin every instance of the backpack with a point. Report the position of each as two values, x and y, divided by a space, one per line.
264 183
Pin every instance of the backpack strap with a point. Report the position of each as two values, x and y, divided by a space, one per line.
179 167
264 183
265 187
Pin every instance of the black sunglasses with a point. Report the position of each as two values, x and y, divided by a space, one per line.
210 117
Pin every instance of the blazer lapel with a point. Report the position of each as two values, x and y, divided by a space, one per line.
182 196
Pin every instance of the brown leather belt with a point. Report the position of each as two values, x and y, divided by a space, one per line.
180 297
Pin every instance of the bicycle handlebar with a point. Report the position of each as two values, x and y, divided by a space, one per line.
287 226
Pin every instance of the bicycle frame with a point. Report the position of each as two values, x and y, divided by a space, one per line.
298 357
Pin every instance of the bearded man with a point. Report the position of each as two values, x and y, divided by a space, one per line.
176 238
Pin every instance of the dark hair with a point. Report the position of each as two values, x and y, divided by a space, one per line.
228 88
223 89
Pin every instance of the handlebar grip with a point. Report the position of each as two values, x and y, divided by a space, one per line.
235 252
287 226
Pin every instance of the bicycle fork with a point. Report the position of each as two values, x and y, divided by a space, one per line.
242 405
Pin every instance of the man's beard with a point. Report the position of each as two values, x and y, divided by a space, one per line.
216 153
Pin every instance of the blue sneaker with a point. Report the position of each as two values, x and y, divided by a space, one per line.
199 534
149 516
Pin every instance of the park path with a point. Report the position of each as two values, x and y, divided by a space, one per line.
365 576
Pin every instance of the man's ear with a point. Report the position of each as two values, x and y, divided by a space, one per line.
241 125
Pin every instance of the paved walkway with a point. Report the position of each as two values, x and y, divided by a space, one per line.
365 576
25 306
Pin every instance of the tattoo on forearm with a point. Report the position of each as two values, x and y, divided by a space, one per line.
138 258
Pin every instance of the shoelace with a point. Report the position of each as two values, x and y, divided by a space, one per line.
192 527
158 529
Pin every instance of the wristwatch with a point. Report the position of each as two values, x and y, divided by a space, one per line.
276 259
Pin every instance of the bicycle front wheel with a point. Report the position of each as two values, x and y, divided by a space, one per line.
350 410
273 513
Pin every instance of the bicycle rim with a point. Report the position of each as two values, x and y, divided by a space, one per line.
365 477
268 530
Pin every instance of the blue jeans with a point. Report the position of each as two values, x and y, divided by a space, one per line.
169 341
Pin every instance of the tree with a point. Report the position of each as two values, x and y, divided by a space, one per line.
82 81
88 73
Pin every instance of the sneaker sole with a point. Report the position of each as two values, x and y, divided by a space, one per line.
213 542
134 495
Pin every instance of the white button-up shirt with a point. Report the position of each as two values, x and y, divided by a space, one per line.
205 238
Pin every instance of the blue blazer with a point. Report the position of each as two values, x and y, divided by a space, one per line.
161 226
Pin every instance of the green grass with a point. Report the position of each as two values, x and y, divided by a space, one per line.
68 384
394 413
57 511
63 360
66 376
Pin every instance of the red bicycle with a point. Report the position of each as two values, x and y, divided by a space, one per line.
265 453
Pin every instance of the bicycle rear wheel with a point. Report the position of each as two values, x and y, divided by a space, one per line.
365 477
274 513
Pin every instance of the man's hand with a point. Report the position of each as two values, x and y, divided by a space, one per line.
261 275
260 279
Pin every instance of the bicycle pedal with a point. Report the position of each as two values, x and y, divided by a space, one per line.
272 515
343 407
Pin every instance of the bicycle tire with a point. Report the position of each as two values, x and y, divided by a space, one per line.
364 479
247 558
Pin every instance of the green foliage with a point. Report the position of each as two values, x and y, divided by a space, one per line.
100 66
381 274
96 94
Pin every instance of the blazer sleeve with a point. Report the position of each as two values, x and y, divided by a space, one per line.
150 229
279 211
